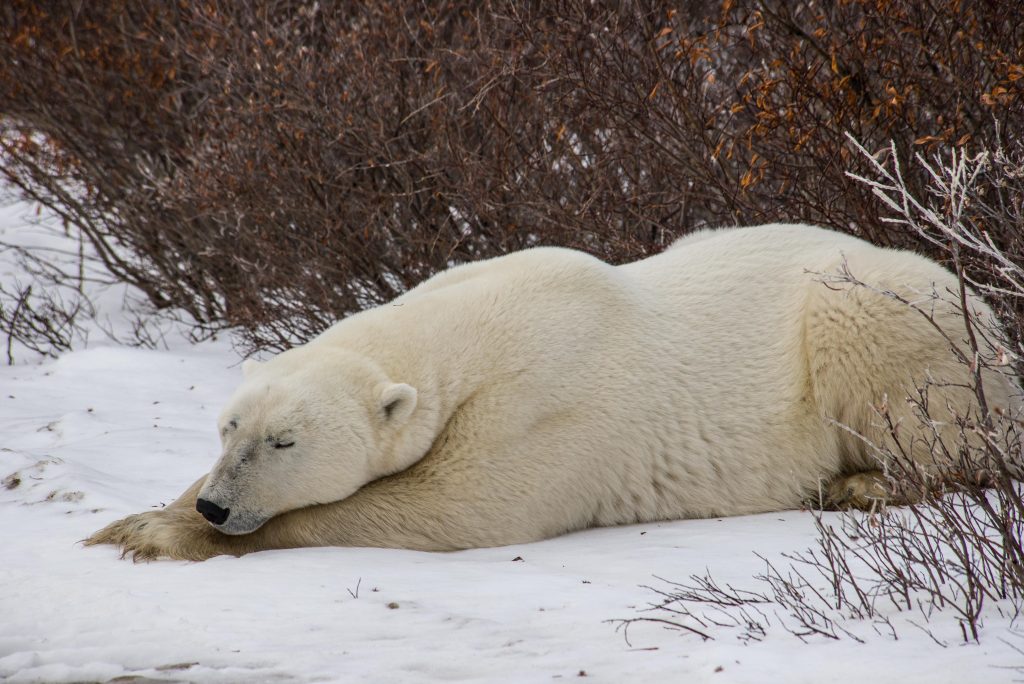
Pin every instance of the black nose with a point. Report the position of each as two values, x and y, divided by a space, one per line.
212 511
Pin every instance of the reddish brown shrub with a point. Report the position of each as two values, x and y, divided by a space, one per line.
277 164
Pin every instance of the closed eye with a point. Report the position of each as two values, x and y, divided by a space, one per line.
283 445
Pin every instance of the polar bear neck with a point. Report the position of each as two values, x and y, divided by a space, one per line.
425 341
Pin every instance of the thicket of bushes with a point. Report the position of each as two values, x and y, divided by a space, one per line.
277 164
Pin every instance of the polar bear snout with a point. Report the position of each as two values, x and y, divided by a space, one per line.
228 514
213 513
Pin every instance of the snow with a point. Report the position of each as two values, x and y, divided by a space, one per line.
107 430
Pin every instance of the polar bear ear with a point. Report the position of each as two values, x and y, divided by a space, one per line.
397 401
250 366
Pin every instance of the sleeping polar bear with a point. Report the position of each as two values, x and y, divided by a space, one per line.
545 391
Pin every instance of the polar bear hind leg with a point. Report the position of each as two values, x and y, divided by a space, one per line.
870 354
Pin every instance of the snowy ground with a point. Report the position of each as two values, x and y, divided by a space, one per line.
109 430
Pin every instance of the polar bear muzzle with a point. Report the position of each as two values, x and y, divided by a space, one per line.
223 520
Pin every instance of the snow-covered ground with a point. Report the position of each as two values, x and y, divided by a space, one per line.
108 430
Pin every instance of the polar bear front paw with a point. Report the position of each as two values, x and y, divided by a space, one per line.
176 534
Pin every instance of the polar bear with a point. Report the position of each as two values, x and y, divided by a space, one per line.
545 391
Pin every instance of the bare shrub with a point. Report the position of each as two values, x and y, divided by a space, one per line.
41 321
45 315
701 605
55 297
278 164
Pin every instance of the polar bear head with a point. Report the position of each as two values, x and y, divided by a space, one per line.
305 428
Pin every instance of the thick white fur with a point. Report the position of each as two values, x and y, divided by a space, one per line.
546 391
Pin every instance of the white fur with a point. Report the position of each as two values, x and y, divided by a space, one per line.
546 391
